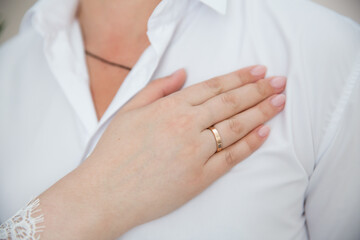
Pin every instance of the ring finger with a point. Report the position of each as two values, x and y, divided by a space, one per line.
233 129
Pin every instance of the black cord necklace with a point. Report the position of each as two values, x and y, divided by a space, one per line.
106 61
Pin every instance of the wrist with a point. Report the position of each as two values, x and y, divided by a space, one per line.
72 211
112 206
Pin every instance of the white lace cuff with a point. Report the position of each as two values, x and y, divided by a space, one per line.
23 225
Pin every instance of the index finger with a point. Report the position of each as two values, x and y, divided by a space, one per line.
201 92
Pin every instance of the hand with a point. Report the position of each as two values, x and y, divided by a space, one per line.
154 158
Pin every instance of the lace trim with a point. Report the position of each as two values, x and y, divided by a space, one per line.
23 225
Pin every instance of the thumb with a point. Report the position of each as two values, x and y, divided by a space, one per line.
157 89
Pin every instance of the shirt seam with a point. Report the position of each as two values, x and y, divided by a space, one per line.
337 114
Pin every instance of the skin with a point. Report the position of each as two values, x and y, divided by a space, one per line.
116 31
139 172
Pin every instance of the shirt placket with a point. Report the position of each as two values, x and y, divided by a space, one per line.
161 27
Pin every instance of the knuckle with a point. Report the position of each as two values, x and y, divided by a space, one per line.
230 158
243 78
203 114
266 110
251 144
229 99
192 150
235 126
262 88
215 85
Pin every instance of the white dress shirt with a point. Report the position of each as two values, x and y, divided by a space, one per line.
304 182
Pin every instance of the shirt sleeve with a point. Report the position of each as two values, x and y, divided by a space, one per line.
332 205
27 223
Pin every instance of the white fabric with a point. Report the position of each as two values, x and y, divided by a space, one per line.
24 224
303 183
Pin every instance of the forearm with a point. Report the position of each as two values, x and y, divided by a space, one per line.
70 209
74 209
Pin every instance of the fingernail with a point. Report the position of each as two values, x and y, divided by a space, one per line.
278 100
278 82
264 131
258 70
177 72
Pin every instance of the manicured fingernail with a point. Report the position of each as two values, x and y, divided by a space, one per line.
258 70
264 131
278 100
278 82
176 73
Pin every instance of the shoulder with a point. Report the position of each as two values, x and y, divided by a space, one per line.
20 57
323 54
23 70
301 28
322 46
318 31
25 43
326 44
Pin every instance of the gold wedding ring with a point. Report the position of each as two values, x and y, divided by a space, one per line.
217 138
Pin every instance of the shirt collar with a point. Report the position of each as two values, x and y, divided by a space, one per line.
47 16
62 41
218 5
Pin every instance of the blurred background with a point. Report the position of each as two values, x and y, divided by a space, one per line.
12 12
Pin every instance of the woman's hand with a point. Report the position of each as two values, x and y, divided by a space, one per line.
154 158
